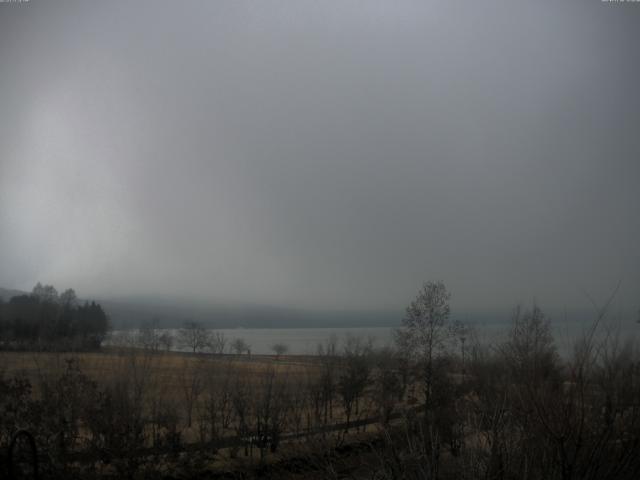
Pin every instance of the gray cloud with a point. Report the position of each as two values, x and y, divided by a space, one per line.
321 154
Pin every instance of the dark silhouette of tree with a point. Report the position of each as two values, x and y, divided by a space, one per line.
218 343
194 336
68 299
355 373
424 338
240 346
426 330
45 294
279 349
148 336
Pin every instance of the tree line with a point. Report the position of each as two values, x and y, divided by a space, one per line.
47 320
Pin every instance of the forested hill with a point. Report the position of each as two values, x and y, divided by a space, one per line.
46 320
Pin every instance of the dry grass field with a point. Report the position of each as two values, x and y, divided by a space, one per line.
170 377
169 367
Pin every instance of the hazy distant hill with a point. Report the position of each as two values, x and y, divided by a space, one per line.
171 312
6 294
126 313
130 312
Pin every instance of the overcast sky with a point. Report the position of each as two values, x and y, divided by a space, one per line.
322 154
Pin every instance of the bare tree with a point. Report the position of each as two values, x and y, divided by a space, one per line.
328 355
218 343
355 374
148 335
217 407
241 399
240 346
426 330
299 404
587 426
279 349
424 337
387 384
530 349
119 419
165 340
194 336
270 411
191 382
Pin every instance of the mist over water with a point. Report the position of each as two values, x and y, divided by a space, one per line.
305 341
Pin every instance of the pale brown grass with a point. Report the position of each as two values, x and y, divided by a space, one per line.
166 369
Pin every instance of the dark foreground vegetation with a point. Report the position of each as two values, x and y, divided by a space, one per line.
439 405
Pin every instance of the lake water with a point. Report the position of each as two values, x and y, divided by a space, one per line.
300 341
305 341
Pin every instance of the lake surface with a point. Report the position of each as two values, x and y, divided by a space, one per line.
300 341
305 341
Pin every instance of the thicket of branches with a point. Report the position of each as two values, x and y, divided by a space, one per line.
516 409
